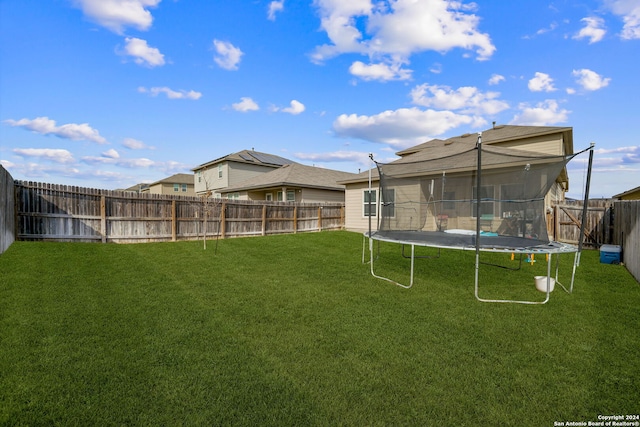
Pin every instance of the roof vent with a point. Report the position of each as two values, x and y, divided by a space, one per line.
465 135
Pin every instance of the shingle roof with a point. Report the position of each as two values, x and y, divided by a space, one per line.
294 174
443 149
501 133
179 178
250 157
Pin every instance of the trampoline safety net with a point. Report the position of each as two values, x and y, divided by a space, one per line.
428 192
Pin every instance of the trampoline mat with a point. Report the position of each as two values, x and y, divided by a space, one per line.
488 242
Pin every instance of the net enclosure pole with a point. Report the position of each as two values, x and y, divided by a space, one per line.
585 206
478 183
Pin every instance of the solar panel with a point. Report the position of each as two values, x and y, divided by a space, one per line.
269 159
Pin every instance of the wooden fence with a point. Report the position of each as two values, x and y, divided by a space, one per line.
64 213
567 218
627 233
7 210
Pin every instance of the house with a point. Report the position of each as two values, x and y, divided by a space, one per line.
232 169
533 139
292 183
180 184
633 194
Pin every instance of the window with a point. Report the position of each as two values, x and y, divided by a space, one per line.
369 198
176 187
268 197
279 196
449 201
486 203
219 171
291 196
184 188
235 195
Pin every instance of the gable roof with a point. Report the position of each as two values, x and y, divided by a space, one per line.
627 193
178 178
294 175
448 148
248 157
501 134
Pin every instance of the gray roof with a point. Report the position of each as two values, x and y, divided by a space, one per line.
448 151
502 133
179 178
250 157
294 175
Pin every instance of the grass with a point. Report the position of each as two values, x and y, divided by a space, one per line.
293 330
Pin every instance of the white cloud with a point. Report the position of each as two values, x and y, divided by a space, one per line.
296 107
593 29
379 71
245 104
118 14
402 127
274 7
51 154
541 83
142 53
118 161
544 113
468 100
112 154
495 79
590 80
335 156
170 93
46 126
629 10
396 30
134 144
228 56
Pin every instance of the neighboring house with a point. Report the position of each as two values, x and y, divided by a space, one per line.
138 188
180 184
633 194
292 183
232 169
536 139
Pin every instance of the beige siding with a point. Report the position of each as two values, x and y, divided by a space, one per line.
232 173
548 144
312 195
354 207
167 188
239 172
207 179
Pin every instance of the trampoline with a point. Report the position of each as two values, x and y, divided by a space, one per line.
458 202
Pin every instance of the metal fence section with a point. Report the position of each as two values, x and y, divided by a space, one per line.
7 210
66 213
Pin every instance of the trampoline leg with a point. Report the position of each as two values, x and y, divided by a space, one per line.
509 300
385 278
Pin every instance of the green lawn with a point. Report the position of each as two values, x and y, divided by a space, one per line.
293 330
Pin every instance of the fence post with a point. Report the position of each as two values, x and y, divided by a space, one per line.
295 219
319 218
264 219
103 218
223 227
174 224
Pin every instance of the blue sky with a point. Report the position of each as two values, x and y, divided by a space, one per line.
110 93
